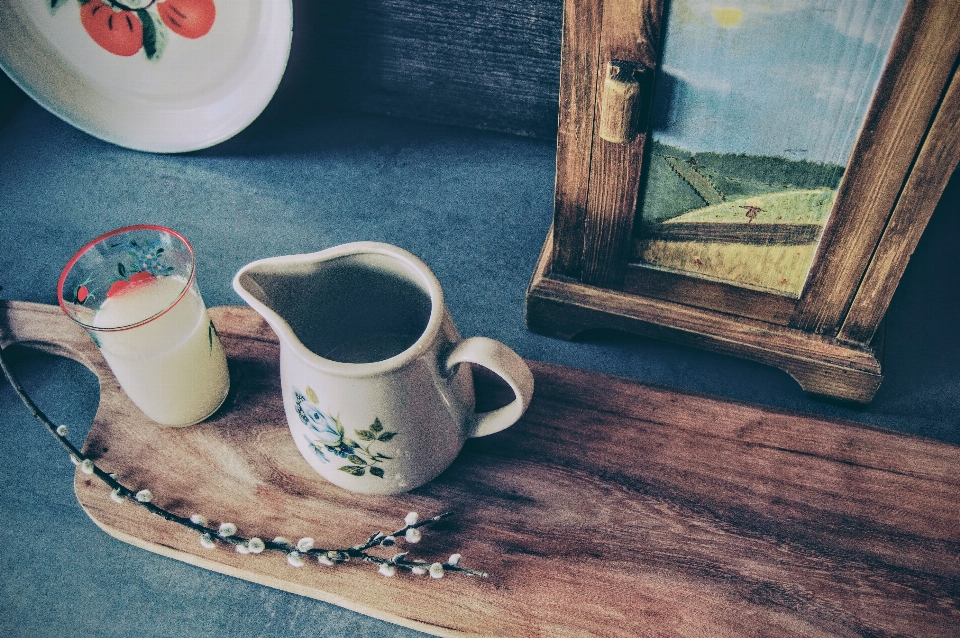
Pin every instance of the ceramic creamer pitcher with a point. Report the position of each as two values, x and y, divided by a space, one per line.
370 365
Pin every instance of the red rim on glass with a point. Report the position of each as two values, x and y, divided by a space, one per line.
69 308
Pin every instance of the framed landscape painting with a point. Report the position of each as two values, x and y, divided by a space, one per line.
756 110
748 176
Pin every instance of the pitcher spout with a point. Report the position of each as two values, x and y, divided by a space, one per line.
261 284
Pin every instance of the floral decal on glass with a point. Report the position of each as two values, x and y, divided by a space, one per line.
125 27
328 439
142 265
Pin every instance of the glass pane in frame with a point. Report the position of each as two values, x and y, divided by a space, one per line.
756 110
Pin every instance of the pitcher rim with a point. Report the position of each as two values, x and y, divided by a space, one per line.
372 368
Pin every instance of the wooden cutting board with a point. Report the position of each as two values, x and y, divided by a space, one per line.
613 508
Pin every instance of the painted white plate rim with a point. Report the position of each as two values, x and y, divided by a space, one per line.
197 93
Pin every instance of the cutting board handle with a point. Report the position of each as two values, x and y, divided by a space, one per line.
44 327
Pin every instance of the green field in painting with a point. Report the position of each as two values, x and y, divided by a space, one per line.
732 176
776 265
786 207
746 219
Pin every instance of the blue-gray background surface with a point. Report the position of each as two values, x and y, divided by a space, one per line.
475 206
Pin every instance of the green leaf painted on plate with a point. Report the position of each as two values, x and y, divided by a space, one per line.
154 35
149 34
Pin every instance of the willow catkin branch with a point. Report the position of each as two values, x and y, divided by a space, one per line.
144 499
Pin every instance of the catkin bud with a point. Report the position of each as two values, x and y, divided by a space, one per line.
295 559
305 544
388 570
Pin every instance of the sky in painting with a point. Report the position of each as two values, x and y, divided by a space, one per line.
789 78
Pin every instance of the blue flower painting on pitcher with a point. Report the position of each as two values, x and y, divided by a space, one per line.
327 436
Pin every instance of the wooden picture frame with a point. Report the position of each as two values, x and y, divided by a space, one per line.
826 335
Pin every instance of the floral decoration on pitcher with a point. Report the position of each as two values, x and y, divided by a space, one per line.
124 27
328 436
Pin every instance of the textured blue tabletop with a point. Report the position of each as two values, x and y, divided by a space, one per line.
475 206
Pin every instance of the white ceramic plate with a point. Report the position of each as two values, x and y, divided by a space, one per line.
170 76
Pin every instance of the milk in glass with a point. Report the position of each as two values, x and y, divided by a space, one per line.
173 367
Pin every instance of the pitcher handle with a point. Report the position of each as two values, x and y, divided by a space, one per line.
508 365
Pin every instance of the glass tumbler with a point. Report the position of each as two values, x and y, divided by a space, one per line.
135 292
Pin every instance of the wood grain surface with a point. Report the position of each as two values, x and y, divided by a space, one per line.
629 31
916 204
611 509
489 64
581 32
821 365
923 59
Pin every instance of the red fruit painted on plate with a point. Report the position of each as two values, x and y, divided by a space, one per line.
82 294
119 32
189 18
